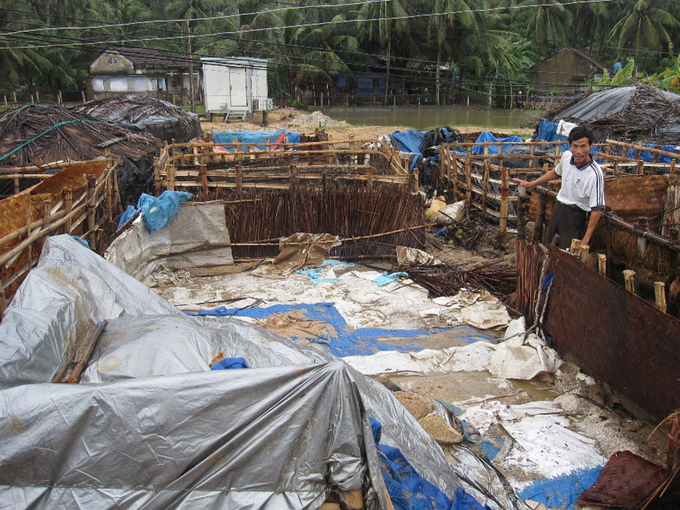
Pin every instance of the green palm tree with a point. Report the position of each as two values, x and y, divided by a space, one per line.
549 23
449 16
379 22
645 24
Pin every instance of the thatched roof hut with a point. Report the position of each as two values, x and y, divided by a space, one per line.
636 114
36 135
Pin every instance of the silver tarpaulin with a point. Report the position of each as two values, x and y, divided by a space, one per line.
151 426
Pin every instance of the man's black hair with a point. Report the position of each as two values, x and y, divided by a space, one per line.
581 132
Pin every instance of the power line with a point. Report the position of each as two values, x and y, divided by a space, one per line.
302 25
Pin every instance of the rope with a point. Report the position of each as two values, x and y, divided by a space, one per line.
44 133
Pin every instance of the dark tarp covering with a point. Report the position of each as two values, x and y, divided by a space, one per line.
160 118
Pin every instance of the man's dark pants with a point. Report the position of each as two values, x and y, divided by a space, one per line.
569 221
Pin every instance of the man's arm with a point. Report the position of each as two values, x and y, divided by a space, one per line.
592 225
548 176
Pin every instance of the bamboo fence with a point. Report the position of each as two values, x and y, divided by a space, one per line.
81 199
205 167
484 180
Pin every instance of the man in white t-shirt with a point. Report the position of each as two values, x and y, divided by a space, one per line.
581 193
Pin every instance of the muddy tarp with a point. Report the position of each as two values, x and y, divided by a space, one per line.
151 425
145 114
633 114
32 135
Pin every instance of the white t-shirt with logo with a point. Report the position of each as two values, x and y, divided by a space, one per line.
583 186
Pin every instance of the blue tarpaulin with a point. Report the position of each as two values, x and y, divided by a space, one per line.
487 136
342 340
408 490
547 132
410 141
561 492
649 156
159 211
229 364
257 137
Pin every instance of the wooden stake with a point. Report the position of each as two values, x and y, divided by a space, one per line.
575 246
660 296
3 300
602 264
485 187
239 179
505 192
204 179
540 219
468 177
583 252
91 206
67 195
629 280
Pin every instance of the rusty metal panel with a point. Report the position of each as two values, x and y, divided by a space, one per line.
620 338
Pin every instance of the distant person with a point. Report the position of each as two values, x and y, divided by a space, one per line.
617 66
519 101
581 193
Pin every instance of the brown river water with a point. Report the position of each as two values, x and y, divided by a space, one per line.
430 117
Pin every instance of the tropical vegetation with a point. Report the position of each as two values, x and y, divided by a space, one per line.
443 51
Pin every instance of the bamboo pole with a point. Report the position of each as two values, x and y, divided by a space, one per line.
505 192
540 219
468 178
629 280
204 179
239 179
485 188
3 300
91 206
660 296
602 264
67 195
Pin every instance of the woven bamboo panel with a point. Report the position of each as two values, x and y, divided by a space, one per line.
13 212
529 258
73 177
636 196
630 197
620 338
671 209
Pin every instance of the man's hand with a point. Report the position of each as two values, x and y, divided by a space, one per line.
524 183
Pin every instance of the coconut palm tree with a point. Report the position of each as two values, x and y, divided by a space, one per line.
379 22
448 16
550 23
645 24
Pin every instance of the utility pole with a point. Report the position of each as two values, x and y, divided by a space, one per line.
192 106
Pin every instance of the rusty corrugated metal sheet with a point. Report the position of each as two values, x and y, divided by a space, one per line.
617 336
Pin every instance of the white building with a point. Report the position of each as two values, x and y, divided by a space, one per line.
235 86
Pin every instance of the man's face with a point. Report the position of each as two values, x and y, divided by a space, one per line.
580 149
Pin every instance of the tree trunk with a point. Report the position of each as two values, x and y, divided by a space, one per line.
437 83
389 61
